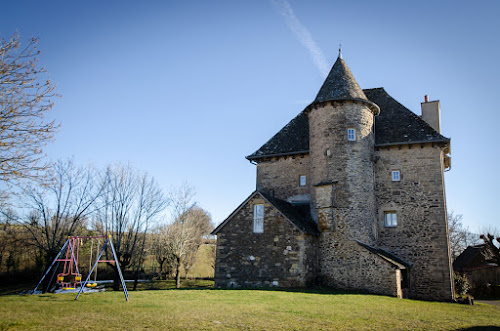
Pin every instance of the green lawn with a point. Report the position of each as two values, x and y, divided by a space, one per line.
191 309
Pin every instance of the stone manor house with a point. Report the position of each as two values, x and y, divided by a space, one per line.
350 194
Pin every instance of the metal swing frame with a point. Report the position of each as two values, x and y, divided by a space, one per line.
71 248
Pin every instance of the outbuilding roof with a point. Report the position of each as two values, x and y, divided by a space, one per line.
386 255
395 125
298 215
474 257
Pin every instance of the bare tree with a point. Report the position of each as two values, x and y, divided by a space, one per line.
59 207
179 233
131 204
162 251
460 236
8 234
212 253
25 99
492 252
182 238
201 223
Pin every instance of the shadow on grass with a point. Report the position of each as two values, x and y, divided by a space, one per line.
482 328
195 285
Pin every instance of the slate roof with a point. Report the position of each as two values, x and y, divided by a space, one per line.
340 84
473 257
386 255
292 139
395 125
298 215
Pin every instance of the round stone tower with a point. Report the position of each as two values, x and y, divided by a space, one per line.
341 147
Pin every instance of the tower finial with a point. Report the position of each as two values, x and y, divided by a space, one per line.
340 51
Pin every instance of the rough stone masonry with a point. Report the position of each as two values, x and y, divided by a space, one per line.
349 194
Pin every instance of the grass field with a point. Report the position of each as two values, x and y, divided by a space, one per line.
203 308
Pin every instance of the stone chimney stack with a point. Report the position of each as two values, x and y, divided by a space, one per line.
431 113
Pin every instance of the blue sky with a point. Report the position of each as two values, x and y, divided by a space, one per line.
184 90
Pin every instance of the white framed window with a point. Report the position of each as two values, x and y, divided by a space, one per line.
258 218
302 180
396 176
351 134
390 219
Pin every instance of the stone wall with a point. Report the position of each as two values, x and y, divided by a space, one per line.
281 174
348 165
346 265
280 256
343 175
421 235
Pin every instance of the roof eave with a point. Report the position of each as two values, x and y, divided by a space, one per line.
447 140
218 228
373 106
255 157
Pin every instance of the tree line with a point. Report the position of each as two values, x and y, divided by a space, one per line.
118 200
42 203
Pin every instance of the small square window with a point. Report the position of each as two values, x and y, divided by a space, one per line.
351 134
390 219
396 176
302 180
258 218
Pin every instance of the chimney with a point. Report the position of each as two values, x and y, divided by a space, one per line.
431 113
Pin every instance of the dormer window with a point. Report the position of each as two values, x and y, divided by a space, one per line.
351 134
396 176
302 180
258 218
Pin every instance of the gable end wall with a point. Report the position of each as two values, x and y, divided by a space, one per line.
421 235
281 254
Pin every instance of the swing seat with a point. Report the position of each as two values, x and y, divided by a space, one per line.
78 278
60 279
92 285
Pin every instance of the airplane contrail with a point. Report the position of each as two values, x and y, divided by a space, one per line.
303 35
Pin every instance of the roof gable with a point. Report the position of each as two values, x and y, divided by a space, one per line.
395 125
389 257
298 216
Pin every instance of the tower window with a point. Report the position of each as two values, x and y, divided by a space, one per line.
391 219
351 134
396 176
258 218
302 180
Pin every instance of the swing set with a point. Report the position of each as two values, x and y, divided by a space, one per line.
71 278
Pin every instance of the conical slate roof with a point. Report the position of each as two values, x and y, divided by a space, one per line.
340 84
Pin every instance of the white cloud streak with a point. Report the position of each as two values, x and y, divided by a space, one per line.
303 35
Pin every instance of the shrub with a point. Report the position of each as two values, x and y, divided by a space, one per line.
462 285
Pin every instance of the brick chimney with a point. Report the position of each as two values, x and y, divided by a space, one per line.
431 113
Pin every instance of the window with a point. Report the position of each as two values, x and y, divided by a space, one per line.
258 218
396 176
391 219
302 180
351 134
